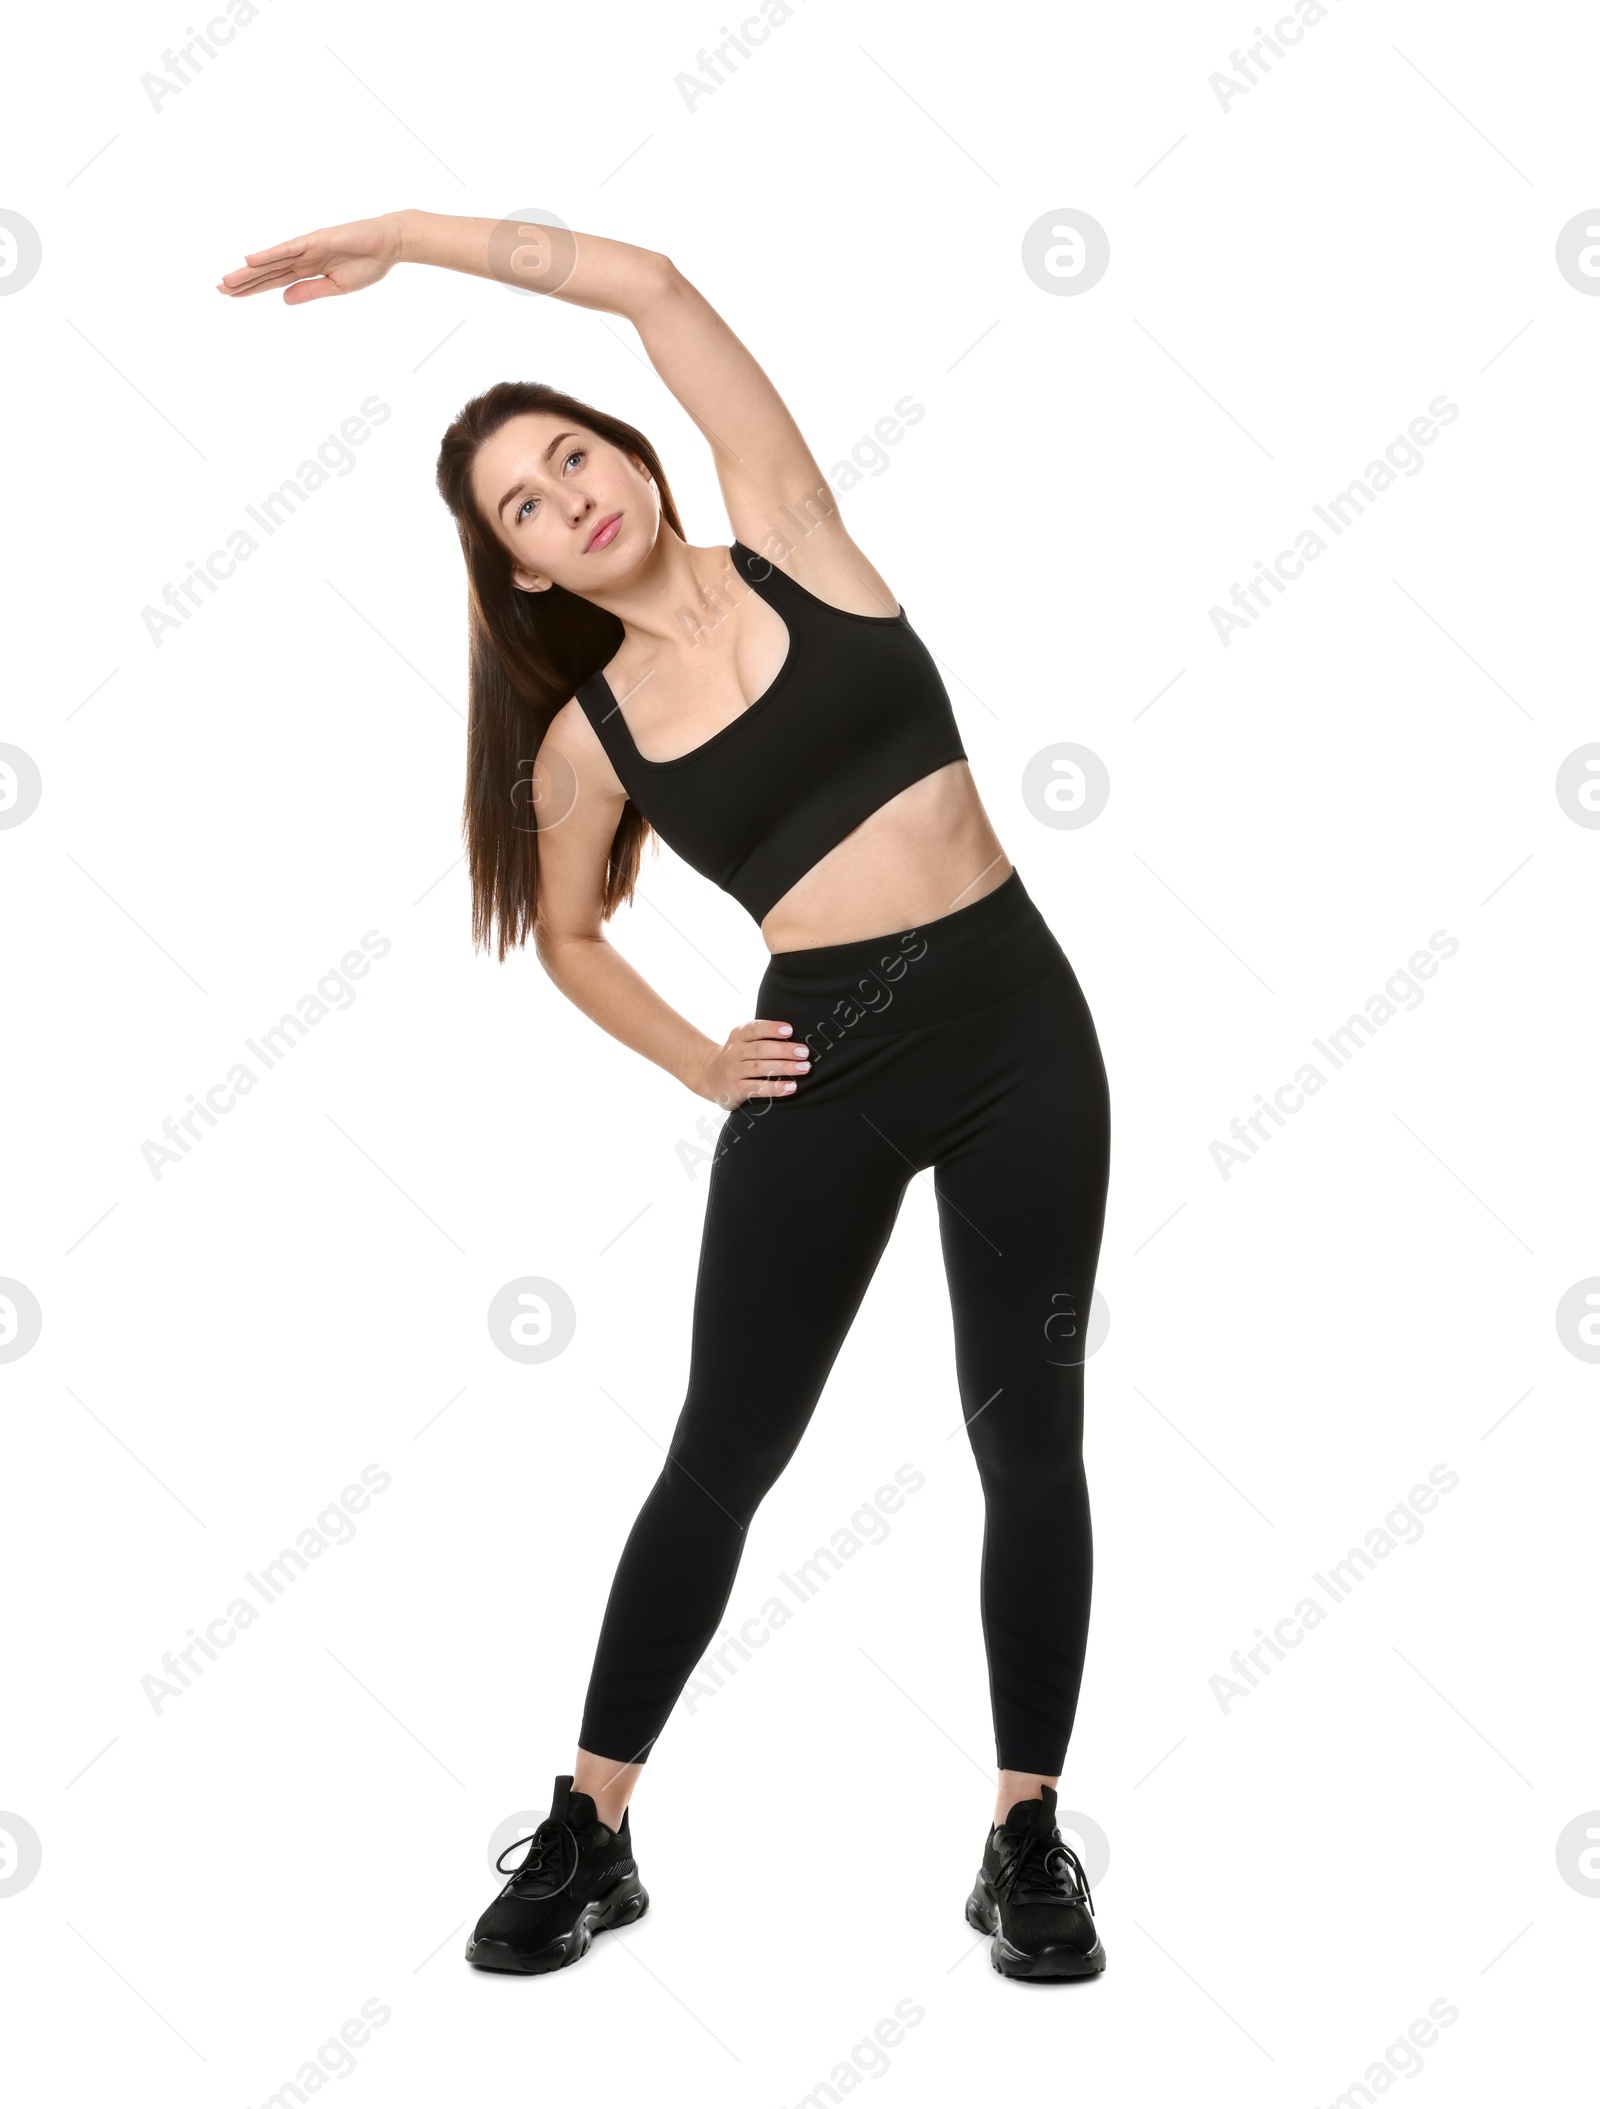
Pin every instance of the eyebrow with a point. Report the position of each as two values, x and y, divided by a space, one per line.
506 500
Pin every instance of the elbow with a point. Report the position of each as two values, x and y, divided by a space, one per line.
555 950
664 275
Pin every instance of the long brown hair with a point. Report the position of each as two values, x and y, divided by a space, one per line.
526 654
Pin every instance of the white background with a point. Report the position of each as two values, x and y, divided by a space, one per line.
1291 1882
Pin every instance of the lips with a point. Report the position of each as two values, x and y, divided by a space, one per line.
605 533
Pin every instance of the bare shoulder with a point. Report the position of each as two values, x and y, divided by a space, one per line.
575 788
818 552
570 738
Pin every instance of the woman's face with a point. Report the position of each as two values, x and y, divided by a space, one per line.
572 509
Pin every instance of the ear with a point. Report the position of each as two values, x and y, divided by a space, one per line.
529 581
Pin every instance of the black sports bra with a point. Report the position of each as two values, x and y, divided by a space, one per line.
856 712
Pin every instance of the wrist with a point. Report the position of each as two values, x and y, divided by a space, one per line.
407 235
692 1072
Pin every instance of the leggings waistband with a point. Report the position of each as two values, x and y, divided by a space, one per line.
893 983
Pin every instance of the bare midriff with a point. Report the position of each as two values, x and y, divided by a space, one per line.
928 852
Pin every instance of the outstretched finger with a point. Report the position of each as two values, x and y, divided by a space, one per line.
280 252
257 278
765 1029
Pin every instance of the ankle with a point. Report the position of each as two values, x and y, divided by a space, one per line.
608 1783
1020 1786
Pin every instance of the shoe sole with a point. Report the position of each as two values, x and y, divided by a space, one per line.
1042 1965
630 1900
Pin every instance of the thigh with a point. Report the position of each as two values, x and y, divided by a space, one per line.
802 1199
1021 1178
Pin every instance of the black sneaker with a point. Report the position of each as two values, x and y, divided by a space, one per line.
578 1878
1033 1896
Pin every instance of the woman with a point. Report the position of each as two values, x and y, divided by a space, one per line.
768 710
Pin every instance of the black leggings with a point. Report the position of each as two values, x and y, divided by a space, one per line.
965 1045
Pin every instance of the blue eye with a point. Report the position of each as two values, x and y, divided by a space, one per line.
575 455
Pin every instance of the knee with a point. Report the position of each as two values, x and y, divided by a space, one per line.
736 1478
1030 1457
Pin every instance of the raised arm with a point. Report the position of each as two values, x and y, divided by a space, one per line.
762 460
770 478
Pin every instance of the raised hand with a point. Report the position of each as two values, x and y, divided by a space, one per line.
333 260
